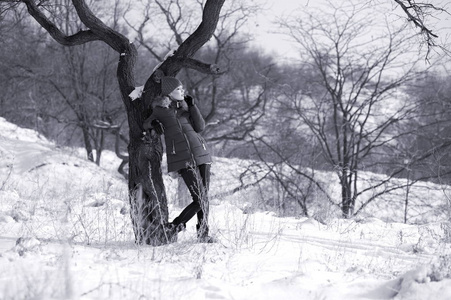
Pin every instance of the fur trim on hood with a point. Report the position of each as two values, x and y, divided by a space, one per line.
164 101
161 101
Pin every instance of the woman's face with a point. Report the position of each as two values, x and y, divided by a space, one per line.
178 93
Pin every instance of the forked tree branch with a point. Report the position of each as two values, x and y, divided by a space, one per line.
205 31
111 37
79 38
196 40
416 13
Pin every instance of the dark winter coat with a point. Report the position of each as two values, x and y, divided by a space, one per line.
182 125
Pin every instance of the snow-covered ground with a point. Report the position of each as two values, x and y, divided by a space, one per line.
65 233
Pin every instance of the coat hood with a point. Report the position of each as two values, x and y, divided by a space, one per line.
166 102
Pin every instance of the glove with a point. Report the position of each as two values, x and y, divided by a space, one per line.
157 126
189 100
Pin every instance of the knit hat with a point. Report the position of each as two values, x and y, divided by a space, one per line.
168 84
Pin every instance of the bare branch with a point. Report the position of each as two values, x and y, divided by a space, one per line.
200 66
81 37
416 13
204 32
113 38
140 29
171 21
192 44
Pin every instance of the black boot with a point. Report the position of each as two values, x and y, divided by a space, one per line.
171 231
202 235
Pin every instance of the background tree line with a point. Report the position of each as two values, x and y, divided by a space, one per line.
357 100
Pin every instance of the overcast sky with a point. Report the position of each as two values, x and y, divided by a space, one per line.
264 28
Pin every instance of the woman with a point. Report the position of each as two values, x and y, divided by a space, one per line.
177 117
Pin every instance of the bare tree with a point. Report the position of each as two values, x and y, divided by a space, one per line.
85 84
85 94
147 192
430 129
66 103
286 160
22 50
355 101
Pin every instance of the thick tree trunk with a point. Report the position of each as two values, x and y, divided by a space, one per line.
148 201
147 192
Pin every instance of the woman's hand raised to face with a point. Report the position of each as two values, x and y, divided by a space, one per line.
189 100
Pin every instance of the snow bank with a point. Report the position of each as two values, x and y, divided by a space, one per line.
65 233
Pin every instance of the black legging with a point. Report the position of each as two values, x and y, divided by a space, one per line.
198 181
